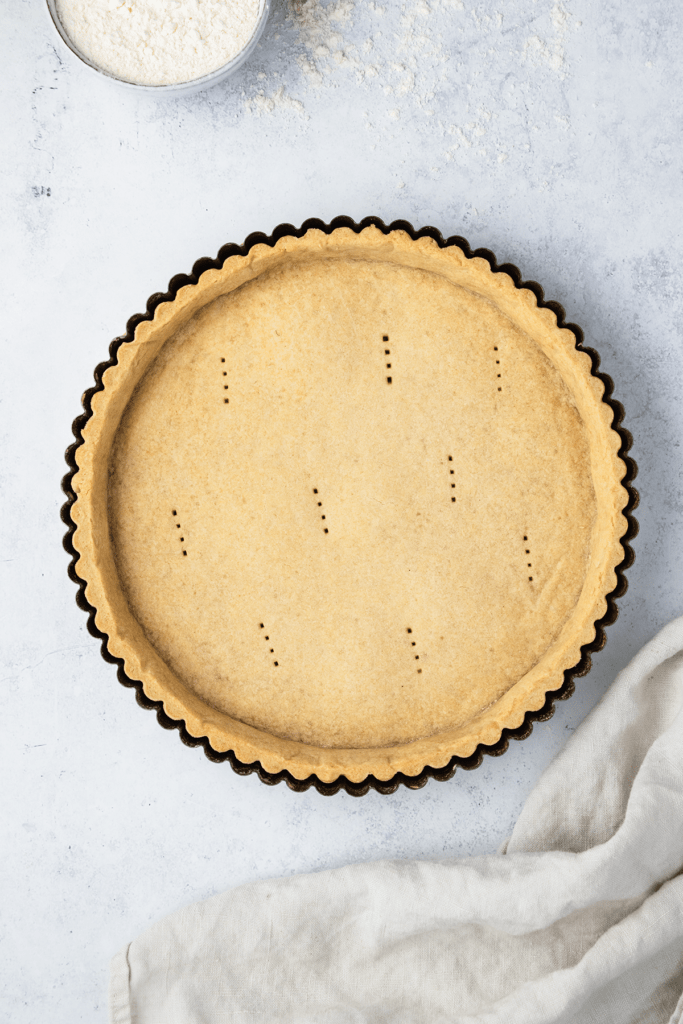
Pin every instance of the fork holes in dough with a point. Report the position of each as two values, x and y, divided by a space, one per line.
416 657
178 526
226 401
451 472
315 491
270 649
387 352
527 551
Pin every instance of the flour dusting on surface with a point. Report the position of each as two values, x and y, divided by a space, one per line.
320 27
550 53
404 64
159 42
262 103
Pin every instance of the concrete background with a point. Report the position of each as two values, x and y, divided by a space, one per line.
548 133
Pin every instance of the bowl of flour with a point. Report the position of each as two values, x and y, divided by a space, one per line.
161 45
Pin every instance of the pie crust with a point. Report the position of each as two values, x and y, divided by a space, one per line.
349 505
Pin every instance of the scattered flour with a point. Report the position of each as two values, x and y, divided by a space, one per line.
325 28
408 53
260 103
551 53
159 42
320 26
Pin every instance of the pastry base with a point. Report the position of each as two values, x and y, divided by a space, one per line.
303 418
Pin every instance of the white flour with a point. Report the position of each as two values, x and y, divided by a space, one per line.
159 42
396 60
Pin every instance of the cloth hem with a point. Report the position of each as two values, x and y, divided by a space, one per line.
119 989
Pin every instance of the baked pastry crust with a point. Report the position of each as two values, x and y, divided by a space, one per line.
303 417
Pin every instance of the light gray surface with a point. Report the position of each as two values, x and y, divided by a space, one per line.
554 143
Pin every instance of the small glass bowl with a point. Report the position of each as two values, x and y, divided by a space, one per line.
194 85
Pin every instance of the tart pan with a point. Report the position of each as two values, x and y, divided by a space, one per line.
350 506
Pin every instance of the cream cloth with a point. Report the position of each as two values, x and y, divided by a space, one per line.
580 920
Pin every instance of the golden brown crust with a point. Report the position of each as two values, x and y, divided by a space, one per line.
300 326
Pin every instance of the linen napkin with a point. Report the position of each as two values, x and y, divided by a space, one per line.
579 921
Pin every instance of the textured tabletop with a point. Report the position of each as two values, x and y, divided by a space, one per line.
546 133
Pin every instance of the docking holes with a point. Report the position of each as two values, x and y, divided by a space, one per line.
320 505
498 370
262 626
387 352
413 645
451 473
527 552
179 527
226 400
